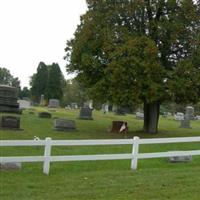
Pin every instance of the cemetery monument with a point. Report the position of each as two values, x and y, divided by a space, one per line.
8 99
64 125
85 113
8 104
54 103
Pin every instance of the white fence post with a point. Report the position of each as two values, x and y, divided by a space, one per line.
47 155
135 152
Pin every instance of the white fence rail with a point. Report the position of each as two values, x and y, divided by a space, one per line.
133 156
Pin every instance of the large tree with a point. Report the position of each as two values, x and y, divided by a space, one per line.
133 51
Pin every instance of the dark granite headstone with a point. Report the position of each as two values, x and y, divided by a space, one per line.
44 115
86 113
119 127
10 122
64 125
8 99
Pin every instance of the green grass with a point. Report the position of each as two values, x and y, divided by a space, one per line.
155 179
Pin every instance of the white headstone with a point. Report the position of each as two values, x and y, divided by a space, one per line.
42 100
179 116
105 108
54 103
24 104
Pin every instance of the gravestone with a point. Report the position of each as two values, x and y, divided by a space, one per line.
139 115
85 113
54 103
8 99
119 127
90 104
10 122
42 100
185 123
44 115
189 113
179 116
64 125
10 165
177 159
105 108
114 108
24 104
164 115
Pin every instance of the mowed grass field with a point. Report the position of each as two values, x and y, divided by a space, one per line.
155 179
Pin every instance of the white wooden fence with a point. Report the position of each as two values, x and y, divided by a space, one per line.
133 156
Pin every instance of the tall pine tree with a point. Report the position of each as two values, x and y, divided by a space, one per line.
54 89
39 82
48 81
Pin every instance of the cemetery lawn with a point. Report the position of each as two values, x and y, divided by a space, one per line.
155 179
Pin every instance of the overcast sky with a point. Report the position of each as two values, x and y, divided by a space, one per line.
36 30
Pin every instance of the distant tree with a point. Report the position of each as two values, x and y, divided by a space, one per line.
74 93
55 82
39 82
7 79
131 52
25 92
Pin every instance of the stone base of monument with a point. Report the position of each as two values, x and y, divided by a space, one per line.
10 166
10 122
185 123
119 127
179 159
64 125
85 114
44 115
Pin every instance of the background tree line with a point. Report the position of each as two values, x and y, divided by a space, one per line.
48 81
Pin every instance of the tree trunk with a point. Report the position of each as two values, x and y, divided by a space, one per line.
151 117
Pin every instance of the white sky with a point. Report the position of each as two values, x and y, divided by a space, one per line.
36 30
